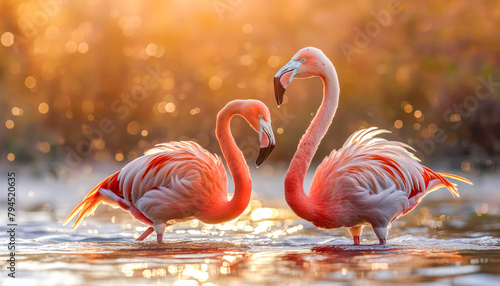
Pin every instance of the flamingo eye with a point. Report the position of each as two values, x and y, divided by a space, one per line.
261 116
303 60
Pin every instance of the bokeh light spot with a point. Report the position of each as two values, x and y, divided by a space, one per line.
398 124
215 83
465 165
7 39
119 157
408 108
9 124
273 61
98 144
43 147
11 157
247 28
194 111
455 117
170 107
161 107
88 106
133 127
30 82
83 47
16 111
151 49
43 108
417 114
77 35
71 47
432 127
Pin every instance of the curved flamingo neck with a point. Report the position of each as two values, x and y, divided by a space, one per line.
295 196
229 210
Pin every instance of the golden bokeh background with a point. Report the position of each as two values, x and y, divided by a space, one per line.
103 81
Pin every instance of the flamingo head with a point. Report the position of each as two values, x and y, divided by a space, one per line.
307 62
261 122
258 116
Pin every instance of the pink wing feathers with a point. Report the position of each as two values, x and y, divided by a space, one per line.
376 165
164 177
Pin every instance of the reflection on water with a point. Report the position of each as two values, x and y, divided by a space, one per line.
441 242
265 246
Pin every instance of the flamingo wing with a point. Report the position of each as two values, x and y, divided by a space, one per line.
375 175
373 164
171 181
174 180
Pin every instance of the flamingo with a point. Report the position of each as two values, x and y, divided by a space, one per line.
181 181
369 181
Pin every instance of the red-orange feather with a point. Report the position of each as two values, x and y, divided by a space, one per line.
93 199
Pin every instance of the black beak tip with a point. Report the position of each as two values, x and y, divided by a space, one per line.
263 154
279 90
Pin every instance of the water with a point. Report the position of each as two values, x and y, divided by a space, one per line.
444 241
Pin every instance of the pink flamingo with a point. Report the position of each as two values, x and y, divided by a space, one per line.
369 181
180 181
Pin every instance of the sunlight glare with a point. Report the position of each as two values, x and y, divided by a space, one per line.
129 268
264 213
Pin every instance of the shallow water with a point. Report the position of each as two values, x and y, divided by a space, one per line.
444 241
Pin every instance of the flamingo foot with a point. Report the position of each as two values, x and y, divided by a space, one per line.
145 234
356 233
160 229
382 241
356 240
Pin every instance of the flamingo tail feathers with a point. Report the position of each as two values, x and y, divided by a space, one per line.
458 178
89 203
431 175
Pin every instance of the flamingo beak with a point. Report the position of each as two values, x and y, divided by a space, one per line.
283 78
267 141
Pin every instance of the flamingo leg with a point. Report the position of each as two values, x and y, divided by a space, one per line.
381 233
145 234
121 202
160 229
356 233
139 216
356 240
135 212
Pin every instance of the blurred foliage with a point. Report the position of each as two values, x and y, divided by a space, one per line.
105 80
